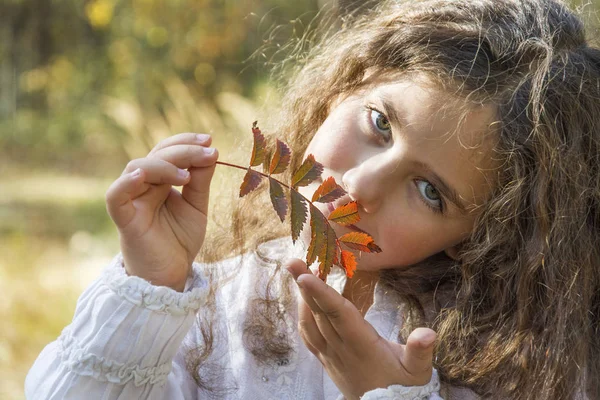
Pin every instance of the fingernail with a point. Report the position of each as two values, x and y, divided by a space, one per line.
202 137
209 150
182 173
136 173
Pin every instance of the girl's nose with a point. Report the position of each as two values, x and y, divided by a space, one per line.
370 180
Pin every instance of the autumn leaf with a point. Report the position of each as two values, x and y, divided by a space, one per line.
297 214
258 151
328 254
251 181
278 198
348 262
360 241
324 245
318 230
328 191
281 158
308 172
346 214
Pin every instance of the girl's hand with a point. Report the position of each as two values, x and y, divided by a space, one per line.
356 358
160 229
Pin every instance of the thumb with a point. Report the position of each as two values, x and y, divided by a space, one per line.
197 190
417 357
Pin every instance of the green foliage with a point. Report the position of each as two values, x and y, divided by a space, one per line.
61 61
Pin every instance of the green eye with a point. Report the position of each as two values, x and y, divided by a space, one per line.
380 125
380 121
430 195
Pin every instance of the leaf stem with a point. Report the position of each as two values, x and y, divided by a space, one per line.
268 176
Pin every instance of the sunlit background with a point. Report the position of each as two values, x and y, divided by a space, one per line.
85 86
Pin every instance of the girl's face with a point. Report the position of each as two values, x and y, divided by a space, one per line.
397 148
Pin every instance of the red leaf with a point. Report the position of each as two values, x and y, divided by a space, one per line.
251 181
328 254
328 191
281 158
308 172
348 263
318 229
258 151
360 241
297 214
346 214
278 198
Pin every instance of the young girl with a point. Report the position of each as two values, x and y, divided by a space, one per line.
469 133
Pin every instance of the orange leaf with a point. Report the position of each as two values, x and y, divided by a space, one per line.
258 151
297 214
318 228
278 198
360 241
346 214
308 172
251 181
348 263
328 191
281 158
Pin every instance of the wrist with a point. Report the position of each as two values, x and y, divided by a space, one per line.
176 284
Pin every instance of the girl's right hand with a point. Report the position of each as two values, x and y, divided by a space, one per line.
161 230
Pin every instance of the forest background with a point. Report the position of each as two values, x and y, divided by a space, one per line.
87 85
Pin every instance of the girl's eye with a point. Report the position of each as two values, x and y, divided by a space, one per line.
381 124
430 195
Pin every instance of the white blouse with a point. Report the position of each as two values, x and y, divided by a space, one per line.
129 339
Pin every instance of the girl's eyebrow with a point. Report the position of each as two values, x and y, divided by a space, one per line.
450 193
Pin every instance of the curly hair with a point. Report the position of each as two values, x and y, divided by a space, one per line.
523 321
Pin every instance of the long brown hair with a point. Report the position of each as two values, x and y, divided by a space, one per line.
523 320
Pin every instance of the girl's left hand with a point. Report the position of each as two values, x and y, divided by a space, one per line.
354 355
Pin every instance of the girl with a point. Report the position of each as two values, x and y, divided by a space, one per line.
468 131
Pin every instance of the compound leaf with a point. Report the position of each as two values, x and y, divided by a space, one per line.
328 191
278 198
308 172
258 151
346 214
297 214
251 181
281 158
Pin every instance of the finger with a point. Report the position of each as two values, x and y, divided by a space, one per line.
342 314
120 194
183 138
297 267
158 171
197 191
323 317
309 331
417 357
187 156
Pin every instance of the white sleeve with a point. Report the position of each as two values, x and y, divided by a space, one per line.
122 342
399 392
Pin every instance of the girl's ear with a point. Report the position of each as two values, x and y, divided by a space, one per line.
452 252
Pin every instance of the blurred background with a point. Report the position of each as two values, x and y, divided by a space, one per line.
87 85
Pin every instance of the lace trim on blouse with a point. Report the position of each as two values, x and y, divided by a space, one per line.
73 356
156 298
